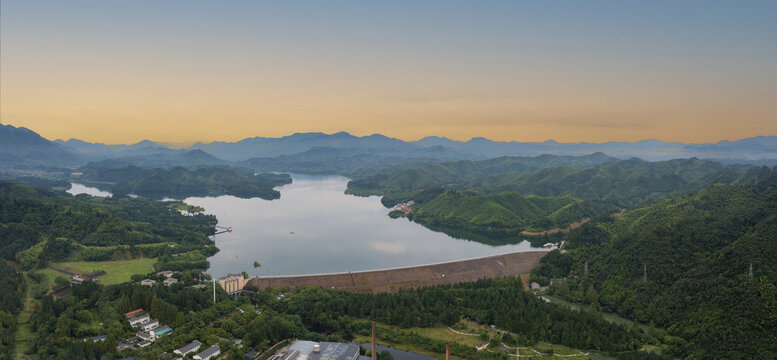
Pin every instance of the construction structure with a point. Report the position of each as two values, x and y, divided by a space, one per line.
232 283
391 280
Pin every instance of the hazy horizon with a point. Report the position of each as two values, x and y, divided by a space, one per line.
120 72
185 144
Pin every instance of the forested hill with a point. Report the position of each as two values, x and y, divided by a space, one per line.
684 264
510 195
504 213
391 180
624 183
180 182
38 227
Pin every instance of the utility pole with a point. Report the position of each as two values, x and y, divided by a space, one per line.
751 271
214 290
374 345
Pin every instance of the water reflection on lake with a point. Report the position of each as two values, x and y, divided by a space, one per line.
76 189
316 228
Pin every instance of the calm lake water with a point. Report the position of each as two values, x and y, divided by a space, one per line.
76 189
315 228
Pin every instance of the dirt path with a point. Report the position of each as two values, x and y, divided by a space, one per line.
569 228
24 336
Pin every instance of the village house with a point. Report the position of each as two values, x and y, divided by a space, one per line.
133 313
150 325
167 273
138 320
190 347
146 335
208 353
163 330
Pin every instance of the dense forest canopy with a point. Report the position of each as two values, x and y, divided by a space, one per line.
685 264
508 212
532 195
37 227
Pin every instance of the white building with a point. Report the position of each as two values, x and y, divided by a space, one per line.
137 320
151 325
146 335
170 281
208 353
190 347
148 282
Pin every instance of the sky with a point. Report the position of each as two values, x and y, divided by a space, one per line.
187 71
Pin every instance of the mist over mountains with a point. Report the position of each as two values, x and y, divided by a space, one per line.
21 148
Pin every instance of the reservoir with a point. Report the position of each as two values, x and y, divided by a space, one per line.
316 228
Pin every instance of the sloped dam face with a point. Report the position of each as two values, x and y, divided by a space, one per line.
391 280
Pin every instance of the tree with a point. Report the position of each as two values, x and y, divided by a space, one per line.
591 296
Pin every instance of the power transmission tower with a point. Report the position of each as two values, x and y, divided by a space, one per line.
644 272
585 271
750 274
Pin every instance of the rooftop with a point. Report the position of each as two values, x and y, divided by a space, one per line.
189 347
209 351
329 351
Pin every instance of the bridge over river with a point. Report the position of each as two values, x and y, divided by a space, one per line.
391 280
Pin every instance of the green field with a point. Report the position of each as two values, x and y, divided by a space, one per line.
117 271
538 351
613 318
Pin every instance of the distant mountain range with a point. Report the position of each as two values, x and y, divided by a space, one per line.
21 148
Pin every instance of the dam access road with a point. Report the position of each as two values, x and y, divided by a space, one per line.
391 280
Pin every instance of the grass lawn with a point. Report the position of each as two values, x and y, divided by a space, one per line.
117 271
443 333
24 335
613 318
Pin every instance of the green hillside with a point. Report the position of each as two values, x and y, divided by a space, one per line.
390 180
683 264
508 212
624 183
38 227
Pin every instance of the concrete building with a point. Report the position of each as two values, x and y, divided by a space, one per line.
121 346
146 335
233 283
210 352
168 274
162 330
77 279
99 338
133 313
190 347
138 320
151 325
147 282
311 350
170 281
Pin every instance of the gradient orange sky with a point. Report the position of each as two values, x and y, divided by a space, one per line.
171 71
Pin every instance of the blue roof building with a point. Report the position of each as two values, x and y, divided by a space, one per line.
162 330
